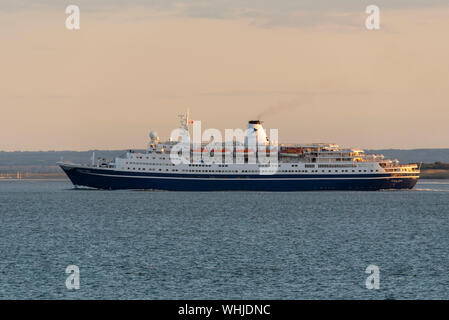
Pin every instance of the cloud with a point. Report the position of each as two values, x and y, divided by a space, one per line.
267 13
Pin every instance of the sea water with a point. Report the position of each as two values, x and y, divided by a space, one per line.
222 245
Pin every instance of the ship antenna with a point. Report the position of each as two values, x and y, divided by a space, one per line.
184 119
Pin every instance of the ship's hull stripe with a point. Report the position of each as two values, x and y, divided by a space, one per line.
245 178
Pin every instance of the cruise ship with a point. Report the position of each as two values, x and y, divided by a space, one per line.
253 164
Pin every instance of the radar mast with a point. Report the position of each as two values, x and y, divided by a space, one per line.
184 119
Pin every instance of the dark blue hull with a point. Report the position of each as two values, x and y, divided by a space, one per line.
113 180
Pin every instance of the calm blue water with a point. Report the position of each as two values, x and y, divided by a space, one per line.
232 245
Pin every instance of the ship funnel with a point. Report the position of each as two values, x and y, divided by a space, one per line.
257 132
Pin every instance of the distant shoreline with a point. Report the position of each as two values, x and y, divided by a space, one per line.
436 170
33 176
434 174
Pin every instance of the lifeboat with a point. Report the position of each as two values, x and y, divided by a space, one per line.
291 151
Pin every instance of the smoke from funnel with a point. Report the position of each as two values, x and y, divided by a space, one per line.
280 107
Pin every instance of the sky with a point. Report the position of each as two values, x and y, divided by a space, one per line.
309 68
